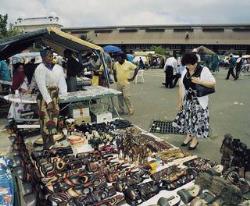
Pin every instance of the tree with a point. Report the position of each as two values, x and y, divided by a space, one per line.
158 50
4 30
3 25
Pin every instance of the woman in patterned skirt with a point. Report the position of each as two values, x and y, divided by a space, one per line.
193 118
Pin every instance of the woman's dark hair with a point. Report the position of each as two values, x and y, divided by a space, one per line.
189 58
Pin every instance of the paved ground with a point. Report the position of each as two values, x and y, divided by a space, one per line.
229 110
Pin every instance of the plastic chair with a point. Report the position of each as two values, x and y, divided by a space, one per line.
139 75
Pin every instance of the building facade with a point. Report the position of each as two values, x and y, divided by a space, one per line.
32 24
220 38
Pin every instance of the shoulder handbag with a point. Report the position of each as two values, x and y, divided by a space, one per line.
202 90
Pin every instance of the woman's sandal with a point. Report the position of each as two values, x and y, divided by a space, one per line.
185 143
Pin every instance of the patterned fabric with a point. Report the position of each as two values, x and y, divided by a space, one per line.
193 119
48 119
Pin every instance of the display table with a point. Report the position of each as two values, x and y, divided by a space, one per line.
89 93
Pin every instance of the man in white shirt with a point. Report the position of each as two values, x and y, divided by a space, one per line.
169 69
50 81
177 74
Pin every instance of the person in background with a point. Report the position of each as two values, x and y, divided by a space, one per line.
106 77
180 68
51 82
215 63
122 75
4 71
73 68
5 74
245 65
29 69
238 66
206 60
193 118
162 63
141 64
169 68
232 63
19 86
158 62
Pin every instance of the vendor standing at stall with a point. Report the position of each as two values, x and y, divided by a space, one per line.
73 68
51 82
122 75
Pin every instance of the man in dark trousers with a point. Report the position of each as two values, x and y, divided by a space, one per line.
232 64
73 68
169 68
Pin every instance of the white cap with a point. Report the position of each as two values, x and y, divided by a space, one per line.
195 50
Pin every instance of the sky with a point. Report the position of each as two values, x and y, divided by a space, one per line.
91 13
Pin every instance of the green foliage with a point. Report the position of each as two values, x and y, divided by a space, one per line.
3 25
158 50
4 30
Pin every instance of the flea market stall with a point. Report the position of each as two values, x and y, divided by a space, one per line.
117 163
111 161
58 41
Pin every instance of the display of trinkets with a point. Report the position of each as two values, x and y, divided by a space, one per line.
123 165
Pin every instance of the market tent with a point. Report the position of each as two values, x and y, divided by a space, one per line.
52 37
204 50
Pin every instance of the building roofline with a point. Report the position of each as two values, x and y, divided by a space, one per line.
43 17
157 26
20 25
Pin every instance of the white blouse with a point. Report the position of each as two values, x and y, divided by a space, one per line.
206 75
50 78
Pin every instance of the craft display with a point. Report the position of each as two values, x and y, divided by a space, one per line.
125 166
